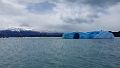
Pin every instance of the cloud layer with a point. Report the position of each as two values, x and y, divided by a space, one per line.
60 15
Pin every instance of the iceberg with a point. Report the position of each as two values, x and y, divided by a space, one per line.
69 35
88 35
105 35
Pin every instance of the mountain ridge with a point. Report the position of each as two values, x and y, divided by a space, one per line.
26 33
20 32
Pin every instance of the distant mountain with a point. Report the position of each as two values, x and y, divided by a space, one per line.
20 32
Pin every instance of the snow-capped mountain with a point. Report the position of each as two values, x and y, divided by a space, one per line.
25 32
18 29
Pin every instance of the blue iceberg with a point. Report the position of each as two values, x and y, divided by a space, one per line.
88 35
69 35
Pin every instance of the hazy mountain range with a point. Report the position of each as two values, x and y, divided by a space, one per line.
21 32
18 32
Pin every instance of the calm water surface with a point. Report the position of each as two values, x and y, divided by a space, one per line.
59 53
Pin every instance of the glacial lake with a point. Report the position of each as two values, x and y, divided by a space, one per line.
59 53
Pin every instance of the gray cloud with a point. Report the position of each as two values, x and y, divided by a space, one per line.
8 8
60 15
95 9
100 3
42 7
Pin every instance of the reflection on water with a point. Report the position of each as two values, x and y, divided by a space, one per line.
59 53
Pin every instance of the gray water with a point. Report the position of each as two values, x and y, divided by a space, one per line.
59 53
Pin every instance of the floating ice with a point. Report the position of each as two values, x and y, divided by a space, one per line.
89 35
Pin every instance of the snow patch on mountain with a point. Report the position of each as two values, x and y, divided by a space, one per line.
19 29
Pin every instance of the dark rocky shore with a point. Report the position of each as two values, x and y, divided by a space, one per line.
116 34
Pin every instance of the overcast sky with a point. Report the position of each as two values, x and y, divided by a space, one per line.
60 15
